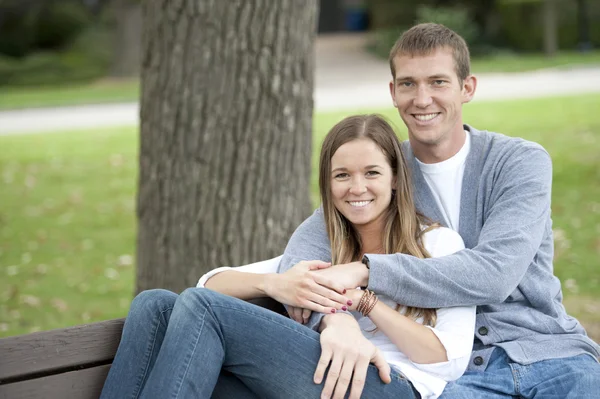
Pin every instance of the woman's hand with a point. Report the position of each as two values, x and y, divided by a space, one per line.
303 288
349 352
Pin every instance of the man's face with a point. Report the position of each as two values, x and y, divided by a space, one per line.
429 98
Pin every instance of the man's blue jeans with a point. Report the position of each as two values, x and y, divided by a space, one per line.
575 377
203 344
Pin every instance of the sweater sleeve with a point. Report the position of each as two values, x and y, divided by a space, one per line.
309 242
515 224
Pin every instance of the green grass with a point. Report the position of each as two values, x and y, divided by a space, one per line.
530 62
106 91
112 91
67 214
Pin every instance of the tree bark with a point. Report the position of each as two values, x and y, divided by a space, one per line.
127 38
550 28
226 130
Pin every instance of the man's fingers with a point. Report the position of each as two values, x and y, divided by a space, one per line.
344 380
295 314
306 315
383 367
358 379
317 265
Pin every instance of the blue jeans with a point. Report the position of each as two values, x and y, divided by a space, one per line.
575 377
203 344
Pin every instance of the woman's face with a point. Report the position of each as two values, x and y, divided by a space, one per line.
361 182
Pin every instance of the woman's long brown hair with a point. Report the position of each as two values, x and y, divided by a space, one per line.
403 228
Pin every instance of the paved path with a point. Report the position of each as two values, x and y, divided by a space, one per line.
347 78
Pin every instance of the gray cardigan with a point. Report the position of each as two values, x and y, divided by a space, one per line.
506 269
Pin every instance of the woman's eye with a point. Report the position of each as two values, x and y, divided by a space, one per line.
372 173
341 175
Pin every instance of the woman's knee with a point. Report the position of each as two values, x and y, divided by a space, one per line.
196 298
153 301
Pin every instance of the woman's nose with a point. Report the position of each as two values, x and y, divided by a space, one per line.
358 186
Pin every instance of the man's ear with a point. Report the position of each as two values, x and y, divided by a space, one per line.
392 94
468 88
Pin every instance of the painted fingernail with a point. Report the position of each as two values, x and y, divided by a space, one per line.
332 310
349 302
343 292
344 308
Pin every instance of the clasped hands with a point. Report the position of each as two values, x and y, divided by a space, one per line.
318 286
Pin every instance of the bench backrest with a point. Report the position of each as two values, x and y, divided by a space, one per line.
68 363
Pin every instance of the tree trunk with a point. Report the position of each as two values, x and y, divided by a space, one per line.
226 120
550 28
127 38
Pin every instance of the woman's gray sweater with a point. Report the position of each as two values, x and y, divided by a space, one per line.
506 269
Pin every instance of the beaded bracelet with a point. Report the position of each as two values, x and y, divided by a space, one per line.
367 302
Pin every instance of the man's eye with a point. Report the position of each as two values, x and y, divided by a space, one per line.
439 82
406 84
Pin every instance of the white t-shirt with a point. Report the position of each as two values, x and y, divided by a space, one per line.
445 181
455 327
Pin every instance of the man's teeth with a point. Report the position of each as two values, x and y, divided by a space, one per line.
359 203
426 117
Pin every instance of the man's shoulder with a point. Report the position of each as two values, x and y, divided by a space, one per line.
497 142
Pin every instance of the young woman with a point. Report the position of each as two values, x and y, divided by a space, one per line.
204 344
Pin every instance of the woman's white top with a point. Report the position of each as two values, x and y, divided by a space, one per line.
455 327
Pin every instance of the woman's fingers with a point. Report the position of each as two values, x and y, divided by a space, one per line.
332 377
322 364
344 379
329 283
359 377
327 297
384 368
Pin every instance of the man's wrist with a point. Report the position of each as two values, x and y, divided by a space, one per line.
362 273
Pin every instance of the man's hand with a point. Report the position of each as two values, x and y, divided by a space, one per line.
302 288
349 352
349 275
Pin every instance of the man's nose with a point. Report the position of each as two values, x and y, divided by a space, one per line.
423 97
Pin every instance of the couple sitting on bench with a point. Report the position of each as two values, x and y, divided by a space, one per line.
383 298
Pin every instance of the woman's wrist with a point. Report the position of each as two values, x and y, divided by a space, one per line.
267 282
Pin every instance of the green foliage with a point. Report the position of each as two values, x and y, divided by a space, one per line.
86 58
27 27
67 210
522 24
457 19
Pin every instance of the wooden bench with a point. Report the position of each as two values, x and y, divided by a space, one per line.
68 363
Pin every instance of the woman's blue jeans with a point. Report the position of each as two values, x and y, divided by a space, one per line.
203 344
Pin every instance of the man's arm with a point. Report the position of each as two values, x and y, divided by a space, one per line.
488 273
309 241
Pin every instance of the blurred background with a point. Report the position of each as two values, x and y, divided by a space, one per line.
54 42
69 89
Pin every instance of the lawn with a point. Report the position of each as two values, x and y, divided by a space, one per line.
67 212
112 91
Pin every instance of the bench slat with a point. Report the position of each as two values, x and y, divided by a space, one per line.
81 384
48 352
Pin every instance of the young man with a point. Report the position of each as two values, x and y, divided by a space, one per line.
495 191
